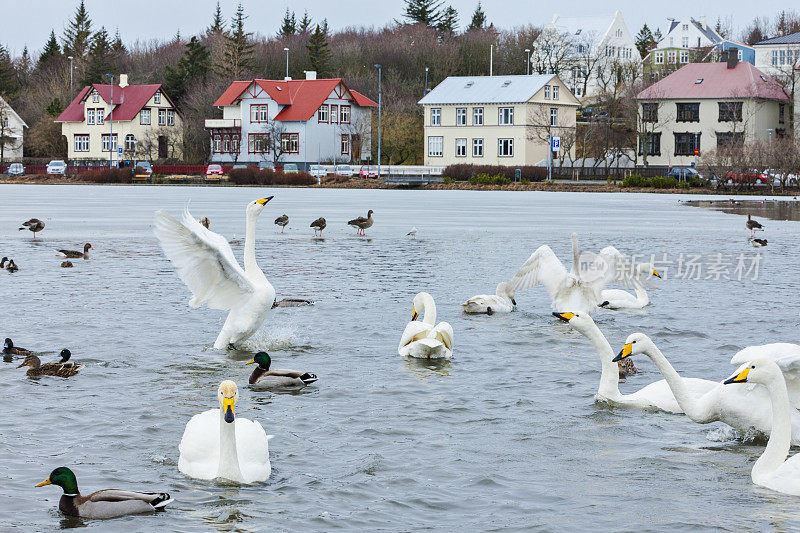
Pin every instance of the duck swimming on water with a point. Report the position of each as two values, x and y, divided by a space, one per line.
61 369
278 377
10 349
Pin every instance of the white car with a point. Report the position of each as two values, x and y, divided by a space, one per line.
57 166
16 169
343 170
318 171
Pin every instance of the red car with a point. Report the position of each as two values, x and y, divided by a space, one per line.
747 177
214 170
368 171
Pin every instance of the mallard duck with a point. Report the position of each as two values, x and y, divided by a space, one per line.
73 254
35 225
282 221
758 243
362 223
318 226
10 349
11 266
67 264
108 503
61 369
279 377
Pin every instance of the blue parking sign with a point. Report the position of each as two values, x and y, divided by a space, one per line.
555 144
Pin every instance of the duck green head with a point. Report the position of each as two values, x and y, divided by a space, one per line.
262 359
64 478
65 355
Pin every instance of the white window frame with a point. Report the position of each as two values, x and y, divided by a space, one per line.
477 147
659 58
684 42
435 146
144 117
101 117
684 56
90 117
344 114
436 116
461 147
81 142
162 117
461 116
555 92
345 144
505 116
107 139
95 97
170 117
130 142
217 143
322 114
477 116
157 97
774 57
672 56
505 147
554 116
547 92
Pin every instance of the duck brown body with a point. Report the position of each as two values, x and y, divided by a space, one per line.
319 225
362 223
282 221
61 370
74 254
35 225
10 349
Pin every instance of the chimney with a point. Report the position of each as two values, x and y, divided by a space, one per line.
123 80
733 57
311 74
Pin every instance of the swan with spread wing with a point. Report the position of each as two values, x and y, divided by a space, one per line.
206 264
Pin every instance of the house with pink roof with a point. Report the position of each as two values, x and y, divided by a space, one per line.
703 106
122 122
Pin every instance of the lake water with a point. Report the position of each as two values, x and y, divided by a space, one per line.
506 436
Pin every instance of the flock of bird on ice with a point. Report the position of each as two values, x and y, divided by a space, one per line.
762 395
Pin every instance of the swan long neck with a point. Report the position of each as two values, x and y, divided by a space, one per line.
781 435
641 294
250 264
677 385
609 376
575 255
228 455
429 310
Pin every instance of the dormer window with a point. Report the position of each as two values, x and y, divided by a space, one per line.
157 97
95 97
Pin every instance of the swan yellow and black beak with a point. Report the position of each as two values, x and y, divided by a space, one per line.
624 352
741 377
228 405
263 201
414 313
44 483
656 274
566 317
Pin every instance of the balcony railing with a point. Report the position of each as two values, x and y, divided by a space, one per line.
219 123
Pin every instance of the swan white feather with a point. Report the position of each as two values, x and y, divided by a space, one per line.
500 302
206 264
425 339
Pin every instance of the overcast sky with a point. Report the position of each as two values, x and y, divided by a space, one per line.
29 22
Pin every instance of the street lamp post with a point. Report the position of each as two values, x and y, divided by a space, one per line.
379 118
70 73
111 146
426 82
528 63
287 61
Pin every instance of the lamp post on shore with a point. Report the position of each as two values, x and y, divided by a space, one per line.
111 147
379 118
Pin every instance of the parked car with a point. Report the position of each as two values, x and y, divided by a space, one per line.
266 164
752 177
791 179
684 173
239 165
318 171
57 166
290 168
145 167
15 169
368 171
214 170
343 170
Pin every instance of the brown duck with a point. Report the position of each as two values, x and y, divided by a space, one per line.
10 349
282 221
34 224
61 369
74 254
318 225
362 223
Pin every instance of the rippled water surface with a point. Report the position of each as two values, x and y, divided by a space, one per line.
506 436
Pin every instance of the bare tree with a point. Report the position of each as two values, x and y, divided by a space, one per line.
7 140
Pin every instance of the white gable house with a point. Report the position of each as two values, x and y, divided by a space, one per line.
11 133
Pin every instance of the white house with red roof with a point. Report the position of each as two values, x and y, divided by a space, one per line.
291 121
703 106
140 119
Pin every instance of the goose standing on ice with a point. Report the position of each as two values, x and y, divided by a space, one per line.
282 221
753 225
362 223
35 225
318 226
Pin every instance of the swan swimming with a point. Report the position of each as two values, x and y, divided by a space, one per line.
426 339
500 302
206 264
655 395
218 444
621 299
773 470
743 408
568 290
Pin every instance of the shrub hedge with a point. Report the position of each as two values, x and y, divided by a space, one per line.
465 172
267 176
107 175
660 182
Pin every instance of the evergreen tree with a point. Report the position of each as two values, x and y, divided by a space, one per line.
319 54
478 19
448 21
217 23
51 49
101 59
288 25
54 108
8 77
423 11
305 23
193 66
645 41
238 55
78 35
117 47
657 36
324 26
